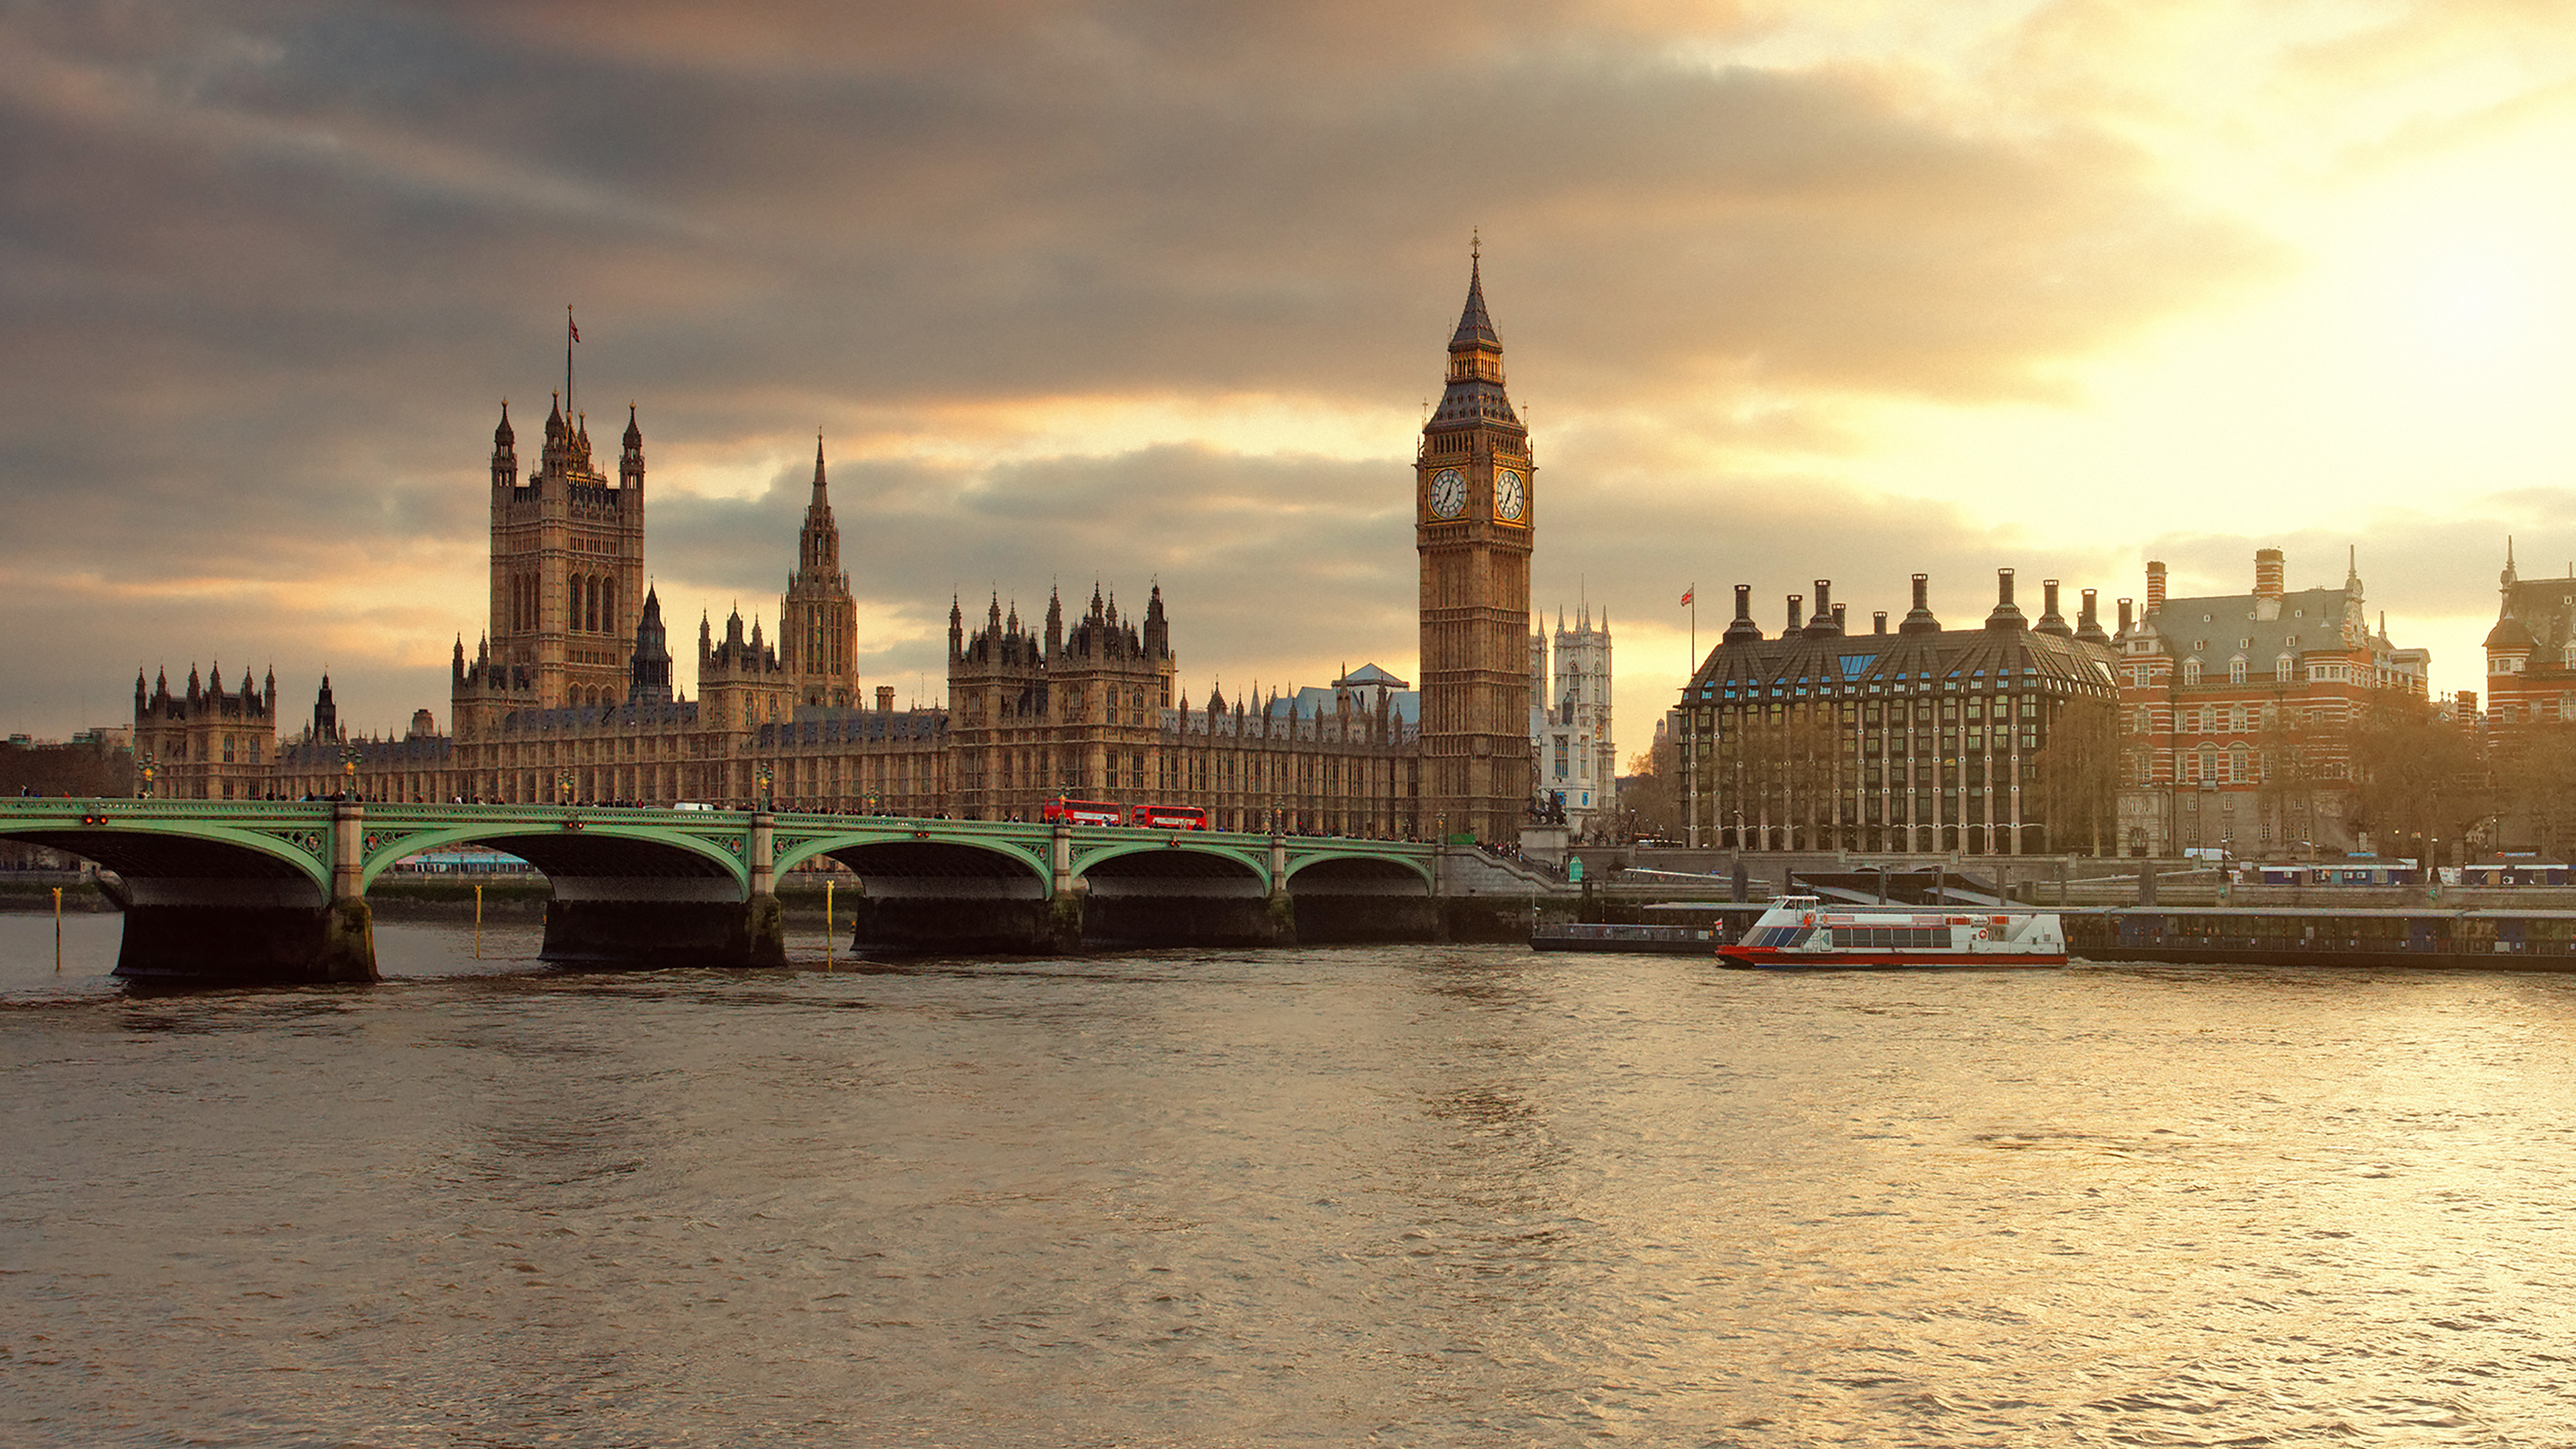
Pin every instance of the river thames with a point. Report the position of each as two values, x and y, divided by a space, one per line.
1399 1195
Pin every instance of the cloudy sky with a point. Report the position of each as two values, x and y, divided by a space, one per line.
1126 292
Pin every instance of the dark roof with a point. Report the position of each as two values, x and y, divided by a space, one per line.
2313 617
1474 325
1804 665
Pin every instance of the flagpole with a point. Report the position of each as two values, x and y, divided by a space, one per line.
1688 745
570 332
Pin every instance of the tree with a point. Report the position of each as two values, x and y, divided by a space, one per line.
2297 755
86 770
1650 792
2536 789
2079 776
2416 774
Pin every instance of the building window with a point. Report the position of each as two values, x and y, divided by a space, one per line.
2236 670
2191 671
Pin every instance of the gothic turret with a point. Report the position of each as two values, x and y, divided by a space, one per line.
326 713
818 619
648 670
630 456
505 451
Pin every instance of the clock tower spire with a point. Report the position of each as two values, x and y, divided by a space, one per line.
1475 511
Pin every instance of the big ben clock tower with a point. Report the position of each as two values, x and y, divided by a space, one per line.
1475 508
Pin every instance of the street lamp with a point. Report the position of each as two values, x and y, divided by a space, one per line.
349 771
563 787
764 775
150 768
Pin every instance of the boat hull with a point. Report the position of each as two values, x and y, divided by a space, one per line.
1758 958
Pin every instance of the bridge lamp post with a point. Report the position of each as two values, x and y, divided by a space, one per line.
150 768
349 771
764 775
563 787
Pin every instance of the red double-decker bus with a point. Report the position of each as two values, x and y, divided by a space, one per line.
1083 812
1169 817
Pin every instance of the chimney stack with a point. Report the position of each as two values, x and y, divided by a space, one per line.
2051 621
2155 585
2267 573
2007 614
1920 621
2125 605
885 699
1743 627
1822 621
1838 618
1878 622
2088 624
1797 612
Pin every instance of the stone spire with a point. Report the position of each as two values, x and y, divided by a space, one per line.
1475 325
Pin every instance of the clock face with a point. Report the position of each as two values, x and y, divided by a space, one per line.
1511 496
1448 493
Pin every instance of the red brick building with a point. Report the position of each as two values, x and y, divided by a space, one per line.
2234 710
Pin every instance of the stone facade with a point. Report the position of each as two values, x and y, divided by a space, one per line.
206 743
567 565
1576 758
569 695
1475 518
818 621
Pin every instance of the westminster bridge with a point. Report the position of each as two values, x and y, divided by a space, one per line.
276 890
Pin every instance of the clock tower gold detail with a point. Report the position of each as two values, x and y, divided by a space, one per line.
1475 517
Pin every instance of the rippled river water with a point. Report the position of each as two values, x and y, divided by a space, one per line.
1402 1195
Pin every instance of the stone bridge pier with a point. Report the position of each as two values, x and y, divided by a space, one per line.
621 901
276 891
212 902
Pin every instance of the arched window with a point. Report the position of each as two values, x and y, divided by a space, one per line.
608 605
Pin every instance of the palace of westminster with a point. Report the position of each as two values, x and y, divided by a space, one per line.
2208 725
569 696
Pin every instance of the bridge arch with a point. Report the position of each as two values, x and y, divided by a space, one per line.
1361 873
1176 857
171 858
687 863
905 852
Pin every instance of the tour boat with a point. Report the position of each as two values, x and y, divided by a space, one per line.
1801 933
